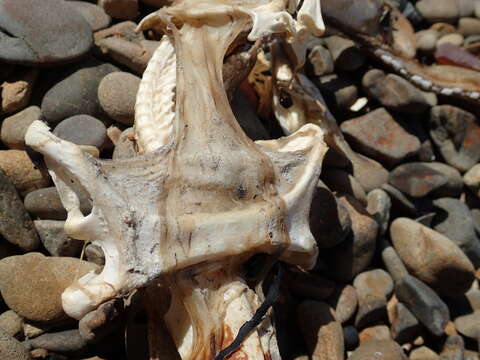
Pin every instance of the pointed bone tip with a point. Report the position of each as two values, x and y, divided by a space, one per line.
37 133
149 22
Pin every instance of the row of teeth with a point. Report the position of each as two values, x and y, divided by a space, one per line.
425 84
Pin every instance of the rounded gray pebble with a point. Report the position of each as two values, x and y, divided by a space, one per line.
117 93
82 130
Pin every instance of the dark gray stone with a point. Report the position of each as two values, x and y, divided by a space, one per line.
45 204
454 220
42 32
82 130
16 226
63 341
424 304
76 93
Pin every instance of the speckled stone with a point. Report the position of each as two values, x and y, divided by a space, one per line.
117 93
11 348
32 284
21 171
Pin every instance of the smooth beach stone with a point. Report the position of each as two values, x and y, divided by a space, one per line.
82 130
418 179
93 14
42 32
373 288
21 171
454 219
432 257
424 304
117 93
377 135
456 133
76 93
15 127
46 204
32 284
396 93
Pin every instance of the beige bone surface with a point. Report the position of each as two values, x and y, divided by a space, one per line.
203 197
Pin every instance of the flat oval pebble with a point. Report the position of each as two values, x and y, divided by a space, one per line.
76 93
432 257
82 130
117 93
32 284
94 15
42 32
